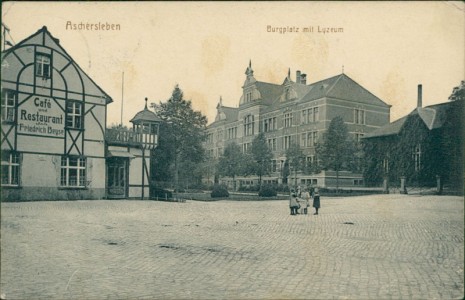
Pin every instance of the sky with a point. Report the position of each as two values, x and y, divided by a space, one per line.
205 47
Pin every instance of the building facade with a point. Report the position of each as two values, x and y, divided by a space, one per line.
128 156
53 134
422 149
296 112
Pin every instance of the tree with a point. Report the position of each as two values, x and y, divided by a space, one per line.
294 157
231 163
262 156
458 92
182 132
336 152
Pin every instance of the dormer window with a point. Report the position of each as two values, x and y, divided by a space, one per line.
288 93
43 65
248 97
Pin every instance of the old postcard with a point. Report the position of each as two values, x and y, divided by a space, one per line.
233 150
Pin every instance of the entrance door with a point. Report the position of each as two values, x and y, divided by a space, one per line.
117 177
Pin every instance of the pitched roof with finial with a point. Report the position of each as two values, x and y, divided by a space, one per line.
145 115
44 37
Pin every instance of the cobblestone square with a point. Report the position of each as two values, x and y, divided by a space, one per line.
366 247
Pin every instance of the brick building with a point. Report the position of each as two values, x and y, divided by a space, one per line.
295 112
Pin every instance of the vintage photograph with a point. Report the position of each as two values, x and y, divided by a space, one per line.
232 150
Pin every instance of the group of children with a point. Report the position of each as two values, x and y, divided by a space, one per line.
300 200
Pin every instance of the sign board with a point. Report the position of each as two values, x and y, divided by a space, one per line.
41 116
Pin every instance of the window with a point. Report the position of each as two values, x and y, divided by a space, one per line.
43 65
303 120
316 116
417 157
309 115
232 133
249 125
358 182
272 144
220 135
274 165
358 137
303 140
386 165
8 105
210 138
359 116
10 168
74 115
312 138
248 97
287 120
287 142
309 139
73 171
269 124
246 147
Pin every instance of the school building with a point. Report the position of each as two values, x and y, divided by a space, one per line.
54 140
295 111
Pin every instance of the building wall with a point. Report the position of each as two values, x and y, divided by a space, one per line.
135 174
374 116
40 131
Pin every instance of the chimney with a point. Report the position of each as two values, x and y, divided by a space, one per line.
420 92
297 77
303 78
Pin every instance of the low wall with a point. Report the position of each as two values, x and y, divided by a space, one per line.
48 193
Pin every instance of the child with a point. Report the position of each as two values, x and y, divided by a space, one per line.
293 204
316 201
306 198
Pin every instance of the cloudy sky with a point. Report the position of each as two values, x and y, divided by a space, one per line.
205 47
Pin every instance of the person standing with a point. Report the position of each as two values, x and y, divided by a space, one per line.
306 197
293 204
316 201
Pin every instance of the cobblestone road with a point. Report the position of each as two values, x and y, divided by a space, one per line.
370 247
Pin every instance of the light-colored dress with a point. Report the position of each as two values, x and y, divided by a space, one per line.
293 202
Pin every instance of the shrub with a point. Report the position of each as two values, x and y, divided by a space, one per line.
219 191
267 190
283 188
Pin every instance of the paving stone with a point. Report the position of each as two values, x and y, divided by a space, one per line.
368 247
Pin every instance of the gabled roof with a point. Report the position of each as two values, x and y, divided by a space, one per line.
269 91
389 129
45 38
344 87
433 117
225 115
231 113
319 89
